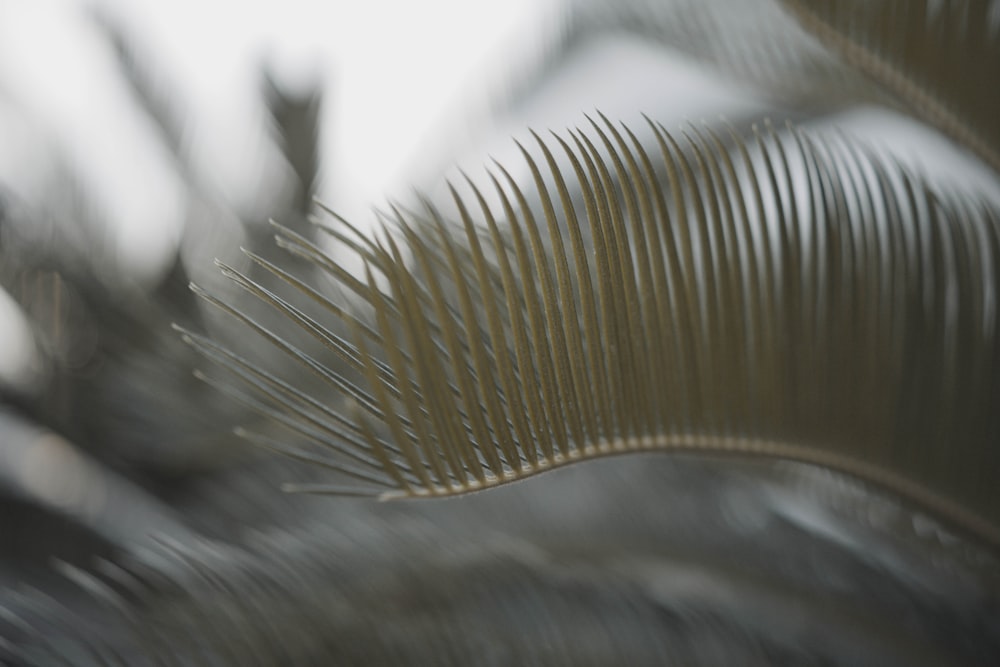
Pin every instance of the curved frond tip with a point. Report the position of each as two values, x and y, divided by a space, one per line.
941 60
786 295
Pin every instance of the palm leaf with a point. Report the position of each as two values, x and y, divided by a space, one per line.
790 295
940 59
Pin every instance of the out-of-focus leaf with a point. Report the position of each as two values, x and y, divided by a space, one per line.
940 59
645 561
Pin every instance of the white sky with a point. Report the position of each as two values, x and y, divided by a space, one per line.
389 69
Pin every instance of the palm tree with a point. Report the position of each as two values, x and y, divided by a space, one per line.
791 333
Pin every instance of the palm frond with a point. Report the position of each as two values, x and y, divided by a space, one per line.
941 59
789 295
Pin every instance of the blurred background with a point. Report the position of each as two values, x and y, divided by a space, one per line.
140 140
